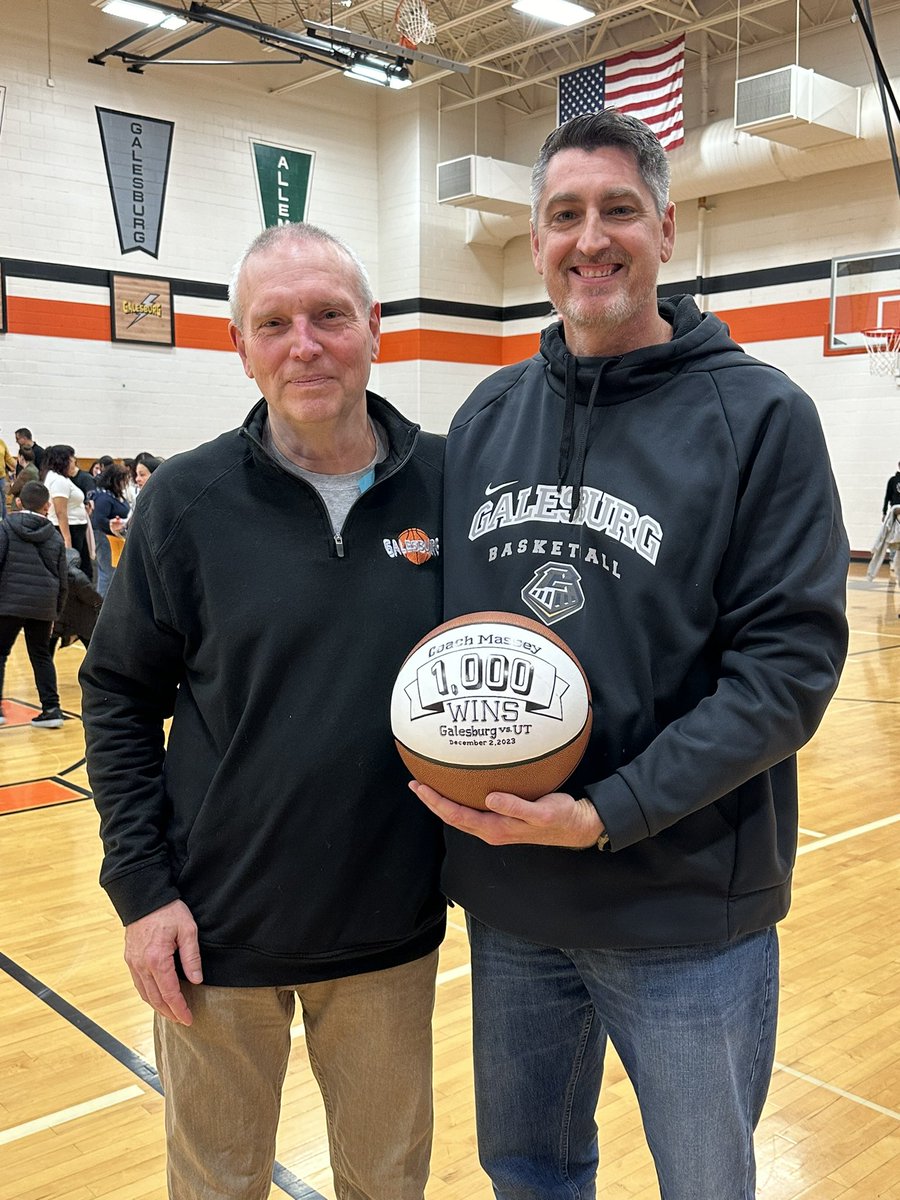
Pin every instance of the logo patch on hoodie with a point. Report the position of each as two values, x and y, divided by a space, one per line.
414 545
554 592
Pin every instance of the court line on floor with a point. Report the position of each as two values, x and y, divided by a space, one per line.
858 831
74 767
145 1071
465 969
283 1178
830 1087
53 1120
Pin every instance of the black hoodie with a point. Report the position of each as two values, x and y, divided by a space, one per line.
33 575
701 582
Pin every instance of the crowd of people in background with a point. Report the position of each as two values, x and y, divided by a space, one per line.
56 554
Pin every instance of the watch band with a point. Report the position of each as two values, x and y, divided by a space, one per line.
602 842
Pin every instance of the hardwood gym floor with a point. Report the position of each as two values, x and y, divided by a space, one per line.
80 1116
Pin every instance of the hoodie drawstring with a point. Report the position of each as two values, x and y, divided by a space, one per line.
565 442
576 459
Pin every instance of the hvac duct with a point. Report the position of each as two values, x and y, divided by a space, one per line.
718 158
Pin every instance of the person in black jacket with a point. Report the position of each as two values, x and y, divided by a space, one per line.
33 587
665 503
891 492
79 616
271 850
24 439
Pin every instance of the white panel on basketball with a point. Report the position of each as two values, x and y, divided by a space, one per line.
488 695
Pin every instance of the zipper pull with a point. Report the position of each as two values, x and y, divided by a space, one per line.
339 543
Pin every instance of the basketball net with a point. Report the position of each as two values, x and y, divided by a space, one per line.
883 346
412 22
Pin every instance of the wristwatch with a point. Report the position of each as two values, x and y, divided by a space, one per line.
602 842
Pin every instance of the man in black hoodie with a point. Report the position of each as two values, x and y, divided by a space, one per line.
33 584
270 851
666 504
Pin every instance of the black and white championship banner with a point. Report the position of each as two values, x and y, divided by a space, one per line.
137 151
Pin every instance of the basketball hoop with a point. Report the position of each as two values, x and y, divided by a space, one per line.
883 346
412 22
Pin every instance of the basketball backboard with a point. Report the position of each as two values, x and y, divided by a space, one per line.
865 294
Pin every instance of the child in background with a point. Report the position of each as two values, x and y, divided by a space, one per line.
33 586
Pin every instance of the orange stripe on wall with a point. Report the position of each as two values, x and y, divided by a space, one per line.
65 318
777 322
202 333
58 318
432 344
519 346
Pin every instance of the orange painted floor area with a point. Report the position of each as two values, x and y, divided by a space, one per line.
39 793
17 713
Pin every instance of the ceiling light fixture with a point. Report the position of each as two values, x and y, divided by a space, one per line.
557 12
142 13
370 72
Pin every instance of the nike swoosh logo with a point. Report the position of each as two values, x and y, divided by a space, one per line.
498 487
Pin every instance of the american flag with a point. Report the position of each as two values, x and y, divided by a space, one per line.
644 83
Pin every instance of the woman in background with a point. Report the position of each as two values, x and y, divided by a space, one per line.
110 510
144 466
67 508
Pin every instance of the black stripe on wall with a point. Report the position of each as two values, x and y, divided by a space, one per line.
23 268
713 285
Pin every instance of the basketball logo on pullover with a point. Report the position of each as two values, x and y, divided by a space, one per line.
414 545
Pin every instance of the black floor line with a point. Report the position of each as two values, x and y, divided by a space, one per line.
281 1176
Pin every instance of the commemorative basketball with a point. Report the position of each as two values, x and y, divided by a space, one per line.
491 701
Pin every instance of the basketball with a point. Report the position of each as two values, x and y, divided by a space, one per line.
491 701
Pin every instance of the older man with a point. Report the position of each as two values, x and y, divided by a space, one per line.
665 503
271 850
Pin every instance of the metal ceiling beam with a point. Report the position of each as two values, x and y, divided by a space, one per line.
328 46
702 23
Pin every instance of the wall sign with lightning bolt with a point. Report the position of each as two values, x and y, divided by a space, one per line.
141 310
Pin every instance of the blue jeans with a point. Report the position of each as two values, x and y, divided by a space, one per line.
103 561
694 1027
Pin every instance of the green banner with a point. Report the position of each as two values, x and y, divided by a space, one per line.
283 182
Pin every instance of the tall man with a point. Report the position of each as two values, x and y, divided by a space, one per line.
665 503
271 849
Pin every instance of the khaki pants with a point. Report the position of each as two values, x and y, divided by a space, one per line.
369 1043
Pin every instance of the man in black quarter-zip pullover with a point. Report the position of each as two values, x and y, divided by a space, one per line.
665 503
273 581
